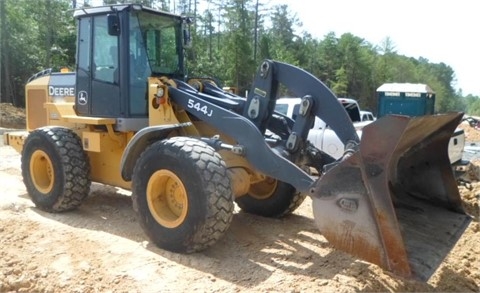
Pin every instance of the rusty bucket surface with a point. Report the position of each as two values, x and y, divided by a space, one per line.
395 202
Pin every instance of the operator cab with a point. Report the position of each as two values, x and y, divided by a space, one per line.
119 48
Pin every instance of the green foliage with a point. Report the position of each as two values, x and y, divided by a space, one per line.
282 38
37 35
329 59
231 38
238 55
472 105
340 86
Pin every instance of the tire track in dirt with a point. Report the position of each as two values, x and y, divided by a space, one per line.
101 247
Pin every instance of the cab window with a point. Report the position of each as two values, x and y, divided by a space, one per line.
105 52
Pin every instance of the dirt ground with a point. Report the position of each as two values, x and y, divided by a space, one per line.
11 117
101 248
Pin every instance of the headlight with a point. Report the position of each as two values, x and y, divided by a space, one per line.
160 92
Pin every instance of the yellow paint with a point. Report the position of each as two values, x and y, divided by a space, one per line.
160 111
263 189
207 130
41 171
62 109
15 139
88 120
64 112
36 95
196 84
119 138
167 198
105 148
105 155
183 117
231 89
38 111
240 181
91 141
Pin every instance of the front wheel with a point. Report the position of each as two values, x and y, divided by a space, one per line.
182 194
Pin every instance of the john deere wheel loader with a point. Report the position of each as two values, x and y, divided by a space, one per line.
129 117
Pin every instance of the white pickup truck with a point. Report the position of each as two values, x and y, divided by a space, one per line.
325 139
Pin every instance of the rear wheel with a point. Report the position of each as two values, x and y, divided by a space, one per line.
182 194
55 169
271 198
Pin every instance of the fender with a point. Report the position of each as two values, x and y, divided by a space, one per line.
140 141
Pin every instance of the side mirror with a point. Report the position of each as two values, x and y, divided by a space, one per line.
113 24
187 38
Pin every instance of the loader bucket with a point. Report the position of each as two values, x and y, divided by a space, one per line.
395 202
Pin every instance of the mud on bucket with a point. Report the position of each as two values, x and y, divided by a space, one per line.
395 202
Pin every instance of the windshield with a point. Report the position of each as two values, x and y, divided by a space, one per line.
281 108
352 110
157 40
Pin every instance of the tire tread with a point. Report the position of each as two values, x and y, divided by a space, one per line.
76 168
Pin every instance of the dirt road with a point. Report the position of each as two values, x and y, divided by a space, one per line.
101 248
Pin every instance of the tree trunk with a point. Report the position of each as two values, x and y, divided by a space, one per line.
49 36
8 95
2 26
255 36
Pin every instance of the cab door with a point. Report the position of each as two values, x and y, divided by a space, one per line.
83 70
98 69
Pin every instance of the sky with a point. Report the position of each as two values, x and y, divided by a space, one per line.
441 31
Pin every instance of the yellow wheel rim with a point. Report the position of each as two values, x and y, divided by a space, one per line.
167 198
263 189
41 171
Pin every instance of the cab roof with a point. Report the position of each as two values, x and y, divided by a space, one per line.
119 7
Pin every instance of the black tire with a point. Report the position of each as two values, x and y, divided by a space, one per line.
271 198
55 169
182 194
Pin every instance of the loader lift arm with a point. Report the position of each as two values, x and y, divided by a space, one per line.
251 142
318 100
363 204
257 112
391 200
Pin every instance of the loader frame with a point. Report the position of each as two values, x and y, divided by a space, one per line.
192 149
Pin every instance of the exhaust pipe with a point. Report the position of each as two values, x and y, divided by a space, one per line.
395 202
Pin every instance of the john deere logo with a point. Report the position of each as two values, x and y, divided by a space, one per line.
82 97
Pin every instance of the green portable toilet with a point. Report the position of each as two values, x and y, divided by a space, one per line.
411 99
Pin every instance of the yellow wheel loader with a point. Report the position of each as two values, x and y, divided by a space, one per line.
188 150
